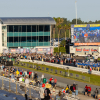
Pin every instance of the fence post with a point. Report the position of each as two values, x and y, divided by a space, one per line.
30 92
2 84
16 88
25 89
9 85
89 79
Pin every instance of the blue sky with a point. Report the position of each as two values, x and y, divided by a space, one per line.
86 9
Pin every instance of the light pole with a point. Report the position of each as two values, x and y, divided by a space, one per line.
68 70
76 10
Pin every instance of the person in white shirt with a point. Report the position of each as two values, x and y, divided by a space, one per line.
41 92
27 81
32 75
20 79
42 76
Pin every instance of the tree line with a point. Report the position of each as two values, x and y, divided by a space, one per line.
63 26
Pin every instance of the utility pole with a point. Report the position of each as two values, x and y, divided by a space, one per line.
76 10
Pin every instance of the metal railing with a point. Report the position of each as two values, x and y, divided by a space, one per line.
19 88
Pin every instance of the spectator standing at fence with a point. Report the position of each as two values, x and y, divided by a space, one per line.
74 88
55 82
32 75
74 61
71 88
13 76
26 81
96 93
42 76
99 93
59 96
76 91
67 89
41 92
63 90
47 92
35 76
90 70
86 89
50 80
89 91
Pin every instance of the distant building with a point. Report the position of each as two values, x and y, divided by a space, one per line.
25 32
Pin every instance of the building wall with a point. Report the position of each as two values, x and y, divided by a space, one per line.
29 37
0 37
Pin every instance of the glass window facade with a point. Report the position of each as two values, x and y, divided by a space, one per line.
28 35
23 28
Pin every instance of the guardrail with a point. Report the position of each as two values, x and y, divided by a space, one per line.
64 72
19 88
63 66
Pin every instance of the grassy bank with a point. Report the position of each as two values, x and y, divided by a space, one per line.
94 79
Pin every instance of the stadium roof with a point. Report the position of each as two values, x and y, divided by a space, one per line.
28 20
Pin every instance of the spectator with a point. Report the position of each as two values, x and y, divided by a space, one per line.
99 93
71 88
55 82
76 91
20 79
73 92
67 89
13 76
32 75
42 76
90 70
26 81
63 90
96 93
41 92
47 92
89 91
59 96
86 89
35 76
50 80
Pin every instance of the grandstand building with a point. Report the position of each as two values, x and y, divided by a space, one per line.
25 32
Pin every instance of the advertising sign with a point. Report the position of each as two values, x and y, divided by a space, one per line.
44 50
85 34
81 50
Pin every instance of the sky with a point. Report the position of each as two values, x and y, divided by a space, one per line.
86 9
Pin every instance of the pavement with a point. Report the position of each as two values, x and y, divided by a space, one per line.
63 82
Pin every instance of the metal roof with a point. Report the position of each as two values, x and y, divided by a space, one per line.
27 20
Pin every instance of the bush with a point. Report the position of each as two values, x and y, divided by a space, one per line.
61 49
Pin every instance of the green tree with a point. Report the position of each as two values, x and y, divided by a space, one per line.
69 27
65 27
63 43
58 25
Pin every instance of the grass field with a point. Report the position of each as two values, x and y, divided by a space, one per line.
94 79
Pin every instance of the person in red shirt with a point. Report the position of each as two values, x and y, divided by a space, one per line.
30 74
86 89
55 82
74 89
50 80
89 91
